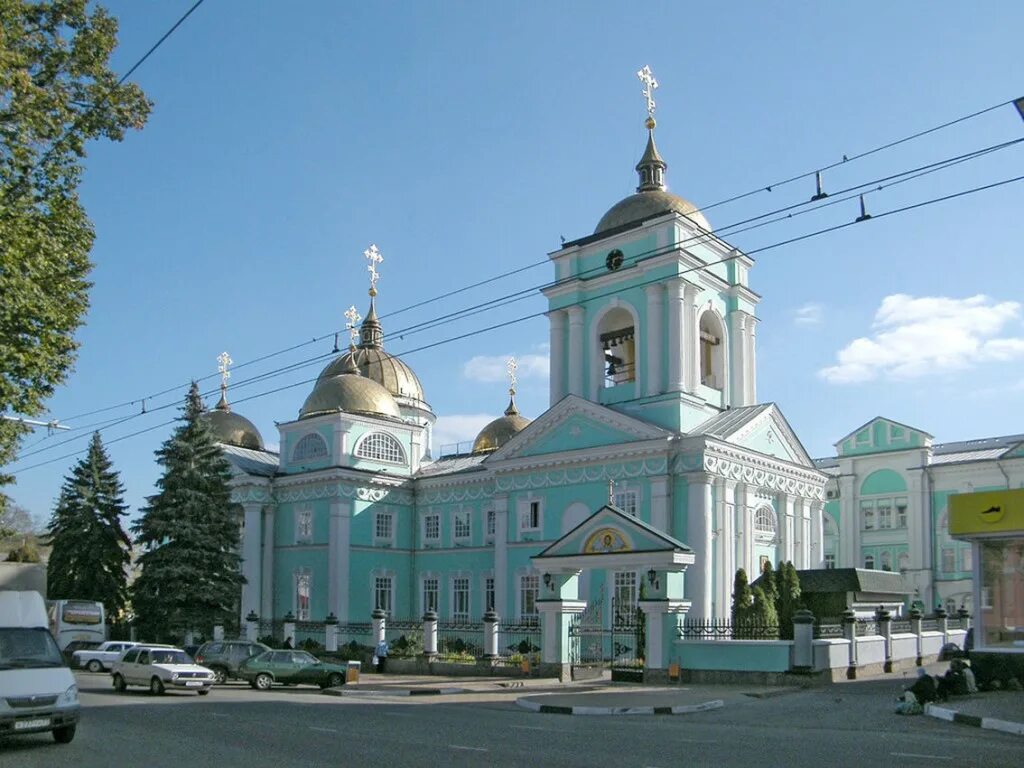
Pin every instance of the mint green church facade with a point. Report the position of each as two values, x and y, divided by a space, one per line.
653 418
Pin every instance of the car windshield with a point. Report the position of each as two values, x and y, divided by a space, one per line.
301 657
28 648
169 657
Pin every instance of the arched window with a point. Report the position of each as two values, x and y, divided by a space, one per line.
616 335
381 446
312 446
712 355
869 562
765 524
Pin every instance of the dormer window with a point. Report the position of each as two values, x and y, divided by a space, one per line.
312 446
380 446
616 336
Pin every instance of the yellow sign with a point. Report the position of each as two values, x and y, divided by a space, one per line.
606 540
986 512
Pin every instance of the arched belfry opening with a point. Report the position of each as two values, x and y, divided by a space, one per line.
712 351
617 340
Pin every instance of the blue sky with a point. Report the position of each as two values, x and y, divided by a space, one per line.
466 138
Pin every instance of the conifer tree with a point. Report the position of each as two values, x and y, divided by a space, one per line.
769 582
189 576
764 619
789 597
91 551
742 599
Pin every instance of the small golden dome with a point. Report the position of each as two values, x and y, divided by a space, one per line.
501 430
376 364
351 393
644 205
232 428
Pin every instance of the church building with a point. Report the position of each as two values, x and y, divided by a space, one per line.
654 455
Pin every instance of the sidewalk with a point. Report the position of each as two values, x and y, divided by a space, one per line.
992 710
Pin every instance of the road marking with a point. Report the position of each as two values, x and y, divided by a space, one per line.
468 749
923 757
532 728
325 730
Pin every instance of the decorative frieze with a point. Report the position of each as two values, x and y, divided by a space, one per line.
746 470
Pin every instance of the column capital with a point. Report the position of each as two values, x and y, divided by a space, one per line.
654 290
576 314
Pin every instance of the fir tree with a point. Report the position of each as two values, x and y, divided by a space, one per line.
789 598
189 576
764 619
769 583
742 599
91 551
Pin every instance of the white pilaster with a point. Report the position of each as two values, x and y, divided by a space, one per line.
725 543
576 350
817 534
691 330
698 575
738 358
338 558
676 335
267 590
849 526
653 326
252 534
789 526
501 585
660 518
556 319
750 361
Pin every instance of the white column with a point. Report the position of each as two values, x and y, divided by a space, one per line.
738 358
252 533
691 328
745 518
576 350
556 320
660 503
501 584
676 335
338 561
698 575
750 361
652 383
789 526
726 544
267 590
849 526
817 534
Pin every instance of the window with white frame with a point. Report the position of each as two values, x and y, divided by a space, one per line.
901 513
311 446
488 593
303 595
382 593
430 588
461 526
765 524
885 514
303 525
432 527
530 517
381 446
529 591
492 517
384 526
625 593
460 598
627 500
966 560
830 560
948 560
869 562
867 513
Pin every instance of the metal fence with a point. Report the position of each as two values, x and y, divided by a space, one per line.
519 644
404 636
460 641
725 629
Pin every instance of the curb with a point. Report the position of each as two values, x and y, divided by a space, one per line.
395 692
988 723
682 709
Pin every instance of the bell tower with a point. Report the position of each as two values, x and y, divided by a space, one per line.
651 314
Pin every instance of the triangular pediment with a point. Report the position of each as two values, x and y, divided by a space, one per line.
1016 452
610 531
574 424
882 434
760 428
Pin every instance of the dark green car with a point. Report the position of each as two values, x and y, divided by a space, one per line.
290 668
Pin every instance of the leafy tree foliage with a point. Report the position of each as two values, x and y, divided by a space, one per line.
57 92
742 599
15 520
190 570
91 551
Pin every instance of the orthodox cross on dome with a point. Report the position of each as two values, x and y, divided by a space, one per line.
650 84
373 258
224 362
611 491
511 366
353 317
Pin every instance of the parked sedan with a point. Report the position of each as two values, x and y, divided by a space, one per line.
290 668
160 668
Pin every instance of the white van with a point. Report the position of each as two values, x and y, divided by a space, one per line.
37 690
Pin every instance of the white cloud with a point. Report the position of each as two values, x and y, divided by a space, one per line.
808 314
488 368
459 428
914 337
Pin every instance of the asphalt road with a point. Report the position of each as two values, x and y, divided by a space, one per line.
847 725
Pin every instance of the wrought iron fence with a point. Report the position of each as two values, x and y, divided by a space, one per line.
929 625
460 640
830 630
725 629
355 634
271 628
902 625
519 644
309 634
866 627
404 636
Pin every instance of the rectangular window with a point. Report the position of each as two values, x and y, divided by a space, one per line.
901 513
867 512
489 593
460 598
948 560
830 560
625 593
885 514
432 527
627 501
303 526
966 559
430 594
303 592
384 526
491 524
531 517
382 594
529 590
462 529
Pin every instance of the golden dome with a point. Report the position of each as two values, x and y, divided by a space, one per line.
501 430
377 365
351 393
646 204
232 428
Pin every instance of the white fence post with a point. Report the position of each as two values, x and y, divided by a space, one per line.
884 619
490 634
252 627
803 640
850 633
331 632
430 635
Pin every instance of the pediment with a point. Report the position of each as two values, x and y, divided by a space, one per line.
882 434
1016 452
760 428
574 424
610 531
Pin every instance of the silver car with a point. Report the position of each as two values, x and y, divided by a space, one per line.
159 669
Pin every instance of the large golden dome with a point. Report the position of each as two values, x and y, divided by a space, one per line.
350 393
501 430
232 428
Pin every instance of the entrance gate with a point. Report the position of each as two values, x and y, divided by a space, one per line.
616 642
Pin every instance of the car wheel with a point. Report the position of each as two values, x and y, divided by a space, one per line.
94 666
156 686
64 734
119 684
263 681
334 680
220 675
204 692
